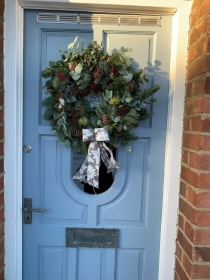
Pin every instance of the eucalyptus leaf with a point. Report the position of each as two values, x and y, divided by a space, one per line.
68 144
71 45
128 99
99 122
71 99
78 68
61 100
116 119
125 127
75 39
132 103
123 49
129 50
75 76
128 77
60 121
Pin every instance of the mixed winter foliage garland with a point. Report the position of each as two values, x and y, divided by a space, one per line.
84 70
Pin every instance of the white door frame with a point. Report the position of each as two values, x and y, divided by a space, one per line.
13 66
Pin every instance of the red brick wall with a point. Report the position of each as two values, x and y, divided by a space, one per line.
193 236
1 142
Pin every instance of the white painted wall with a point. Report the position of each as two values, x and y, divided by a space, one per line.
13 120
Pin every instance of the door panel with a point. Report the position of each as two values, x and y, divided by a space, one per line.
134 201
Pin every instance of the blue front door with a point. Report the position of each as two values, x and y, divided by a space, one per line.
133 204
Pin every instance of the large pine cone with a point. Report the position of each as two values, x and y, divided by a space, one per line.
122 110
73 89
76 132
72 65
97 73
106 119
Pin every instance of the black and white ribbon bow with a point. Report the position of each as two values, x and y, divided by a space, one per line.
97 150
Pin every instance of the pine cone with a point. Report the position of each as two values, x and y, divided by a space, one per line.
73 89
76 132
122 110
131 85
58 96
97 73
81 109
58 108
106 119
72 65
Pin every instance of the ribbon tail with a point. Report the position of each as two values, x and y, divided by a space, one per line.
111 163
93 164
82 172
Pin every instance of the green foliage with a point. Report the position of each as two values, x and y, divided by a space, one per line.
81 70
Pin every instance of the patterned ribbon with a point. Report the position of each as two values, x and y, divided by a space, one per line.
97 150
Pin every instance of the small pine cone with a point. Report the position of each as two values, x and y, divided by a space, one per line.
131 85
106 119
73 90
122 110
97 73
85 57
58 96
81 109
76 132
109 59
58 108
72 65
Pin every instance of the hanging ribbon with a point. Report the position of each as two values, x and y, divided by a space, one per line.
97 150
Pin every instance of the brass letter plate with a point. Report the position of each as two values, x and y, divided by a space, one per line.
92 237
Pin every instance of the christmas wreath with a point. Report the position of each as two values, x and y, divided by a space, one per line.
82 71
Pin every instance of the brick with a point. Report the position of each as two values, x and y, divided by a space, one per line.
187 124
185 157
203 181
204 161
194 160
189 176
202 237
204 8
201 254
179 252
181 222
1 216
187 264
202 218
196 124
200 271
199 31
187 210
207 85
206 105
199 86
189 231
191 195
183 188
205 143
2 275
189 89
191 55
203 200
191 141
180 271
1 132
176 277
200 161
206 125
194 106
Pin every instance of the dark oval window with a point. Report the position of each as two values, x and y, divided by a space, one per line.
105 179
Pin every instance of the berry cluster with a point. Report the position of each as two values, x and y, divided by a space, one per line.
62 77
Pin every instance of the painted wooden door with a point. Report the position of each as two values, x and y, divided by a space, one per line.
133 203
